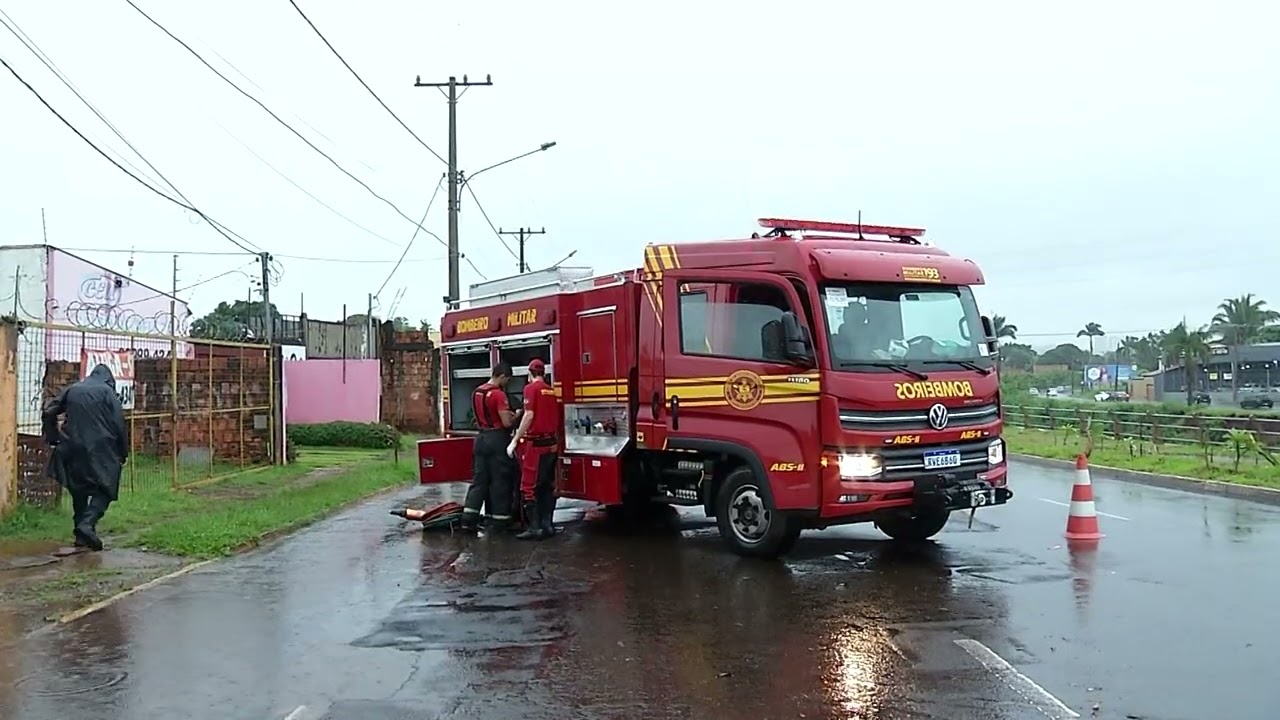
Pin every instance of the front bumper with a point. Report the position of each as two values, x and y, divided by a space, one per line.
850 501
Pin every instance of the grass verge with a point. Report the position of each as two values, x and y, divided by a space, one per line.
217 519
1170 459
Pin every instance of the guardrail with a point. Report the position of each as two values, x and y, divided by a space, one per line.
1110 422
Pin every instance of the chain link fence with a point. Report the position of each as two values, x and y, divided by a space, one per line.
197 410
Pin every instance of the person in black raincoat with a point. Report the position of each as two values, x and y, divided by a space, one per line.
89 449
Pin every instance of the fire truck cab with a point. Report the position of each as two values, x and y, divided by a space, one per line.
817 374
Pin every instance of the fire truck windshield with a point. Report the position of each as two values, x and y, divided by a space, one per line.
887 327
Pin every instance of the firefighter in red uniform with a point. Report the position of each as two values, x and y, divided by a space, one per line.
491 468
536 445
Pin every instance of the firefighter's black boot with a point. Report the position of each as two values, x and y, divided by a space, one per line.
547 513
532 524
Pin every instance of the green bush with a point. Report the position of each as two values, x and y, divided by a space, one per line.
345 434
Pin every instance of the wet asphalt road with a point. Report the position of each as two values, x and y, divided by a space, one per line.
363 617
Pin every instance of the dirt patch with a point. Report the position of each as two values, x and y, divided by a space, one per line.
36 587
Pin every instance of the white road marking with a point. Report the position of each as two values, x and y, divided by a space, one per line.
1067 505
1040 699
297 713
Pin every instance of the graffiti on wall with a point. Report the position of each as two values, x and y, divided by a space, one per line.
88 296
100 304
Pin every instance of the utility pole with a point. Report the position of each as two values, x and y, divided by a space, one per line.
453 84
368 330
265 258
523 234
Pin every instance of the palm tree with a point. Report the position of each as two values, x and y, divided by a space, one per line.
1003 329
1091 331
1240 322
1188 347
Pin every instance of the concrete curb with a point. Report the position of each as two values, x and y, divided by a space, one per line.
1252 493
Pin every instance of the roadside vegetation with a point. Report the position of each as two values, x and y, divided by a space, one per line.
1173 437
219 518
373 436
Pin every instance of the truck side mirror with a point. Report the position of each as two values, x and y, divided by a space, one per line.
993 344
798 342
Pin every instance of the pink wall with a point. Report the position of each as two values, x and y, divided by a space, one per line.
315 393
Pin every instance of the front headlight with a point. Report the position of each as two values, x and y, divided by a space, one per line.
860 466
995 452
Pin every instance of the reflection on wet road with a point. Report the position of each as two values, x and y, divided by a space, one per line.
361 617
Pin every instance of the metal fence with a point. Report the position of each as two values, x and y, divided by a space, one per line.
197 410
1189 433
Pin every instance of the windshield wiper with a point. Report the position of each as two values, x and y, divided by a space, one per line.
962 363
888 365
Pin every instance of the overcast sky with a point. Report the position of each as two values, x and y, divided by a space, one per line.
1106 162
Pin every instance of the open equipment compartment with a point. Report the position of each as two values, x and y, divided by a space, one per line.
520 353
468 367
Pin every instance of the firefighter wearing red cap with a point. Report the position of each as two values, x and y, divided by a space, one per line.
492 476
535 445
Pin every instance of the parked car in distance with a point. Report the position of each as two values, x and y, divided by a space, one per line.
1200 398
1255 399
1034 392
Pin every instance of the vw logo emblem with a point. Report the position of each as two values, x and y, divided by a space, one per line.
938 416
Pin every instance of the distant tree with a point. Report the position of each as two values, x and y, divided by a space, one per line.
425 326
1141 351
1239 322
1017 356
1269 334
1003 329
401 323
1189 348
240 320
1091 331
1068 354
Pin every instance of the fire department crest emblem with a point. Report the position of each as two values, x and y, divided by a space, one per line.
744 390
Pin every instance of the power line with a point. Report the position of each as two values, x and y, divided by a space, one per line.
277 118
363 83
290 180
409 244
303 258
12 26
31 46
192 286
491 225
120 167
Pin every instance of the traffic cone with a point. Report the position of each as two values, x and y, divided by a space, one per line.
1082 518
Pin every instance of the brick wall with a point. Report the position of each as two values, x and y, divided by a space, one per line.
211 392
410 381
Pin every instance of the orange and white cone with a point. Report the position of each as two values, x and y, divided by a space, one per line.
1082 518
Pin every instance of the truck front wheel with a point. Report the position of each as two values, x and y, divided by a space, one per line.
748 521
911 527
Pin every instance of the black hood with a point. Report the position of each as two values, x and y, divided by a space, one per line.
102 374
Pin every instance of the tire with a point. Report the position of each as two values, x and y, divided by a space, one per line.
748 521
913 528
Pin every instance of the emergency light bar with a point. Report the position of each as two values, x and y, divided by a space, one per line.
779 226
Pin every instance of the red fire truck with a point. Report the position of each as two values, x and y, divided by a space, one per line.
817 374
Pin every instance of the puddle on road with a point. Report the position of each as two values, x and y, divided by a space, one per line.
510 609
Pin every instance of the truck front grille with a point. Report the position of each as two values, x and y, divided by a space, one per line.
905 463
904 420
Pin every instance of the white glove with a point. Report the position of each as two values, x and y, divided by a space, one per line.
511 449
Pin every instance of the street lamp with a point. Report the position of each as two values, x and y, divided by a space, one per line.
541 148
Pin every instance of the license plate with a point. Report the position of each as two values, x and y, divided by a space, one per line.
982 498
939 459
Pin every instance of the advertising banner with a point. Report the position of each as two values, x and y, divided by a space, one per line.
121 364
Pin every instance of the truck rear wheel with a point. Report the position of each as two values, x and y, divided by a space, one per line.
748 521
914 527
